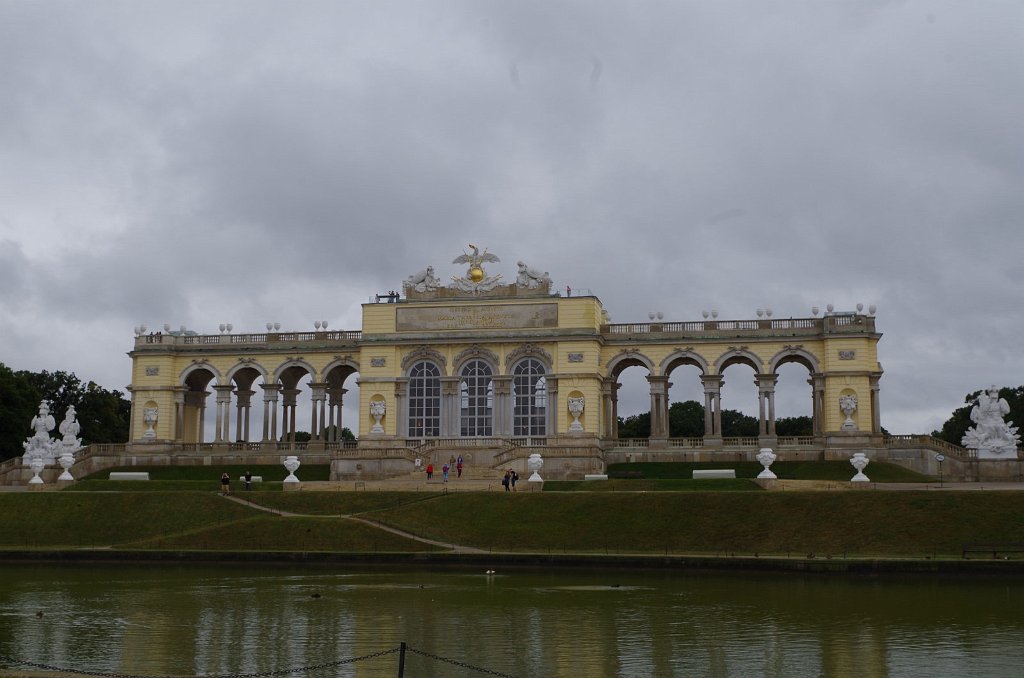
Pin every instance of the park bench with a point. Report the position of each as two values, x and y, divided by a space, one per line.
995 548
595 476
129 475
255 479
704 474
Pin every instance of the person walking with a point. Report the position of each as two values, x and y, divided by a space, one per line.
506 480
458 467
225 484
513 479
444 471
430 471
248 480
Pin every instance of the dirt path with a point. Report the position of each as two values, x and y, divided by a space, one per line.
457 548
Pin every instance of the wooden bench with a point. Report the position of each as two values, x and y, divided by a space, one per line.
129 475
995 548
708 473
595 476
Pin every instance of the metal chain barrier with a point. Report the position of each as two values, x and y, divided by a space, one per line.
453 662
263 674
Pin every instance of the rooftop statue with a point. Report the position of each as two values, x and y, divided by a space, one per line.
476 279
422 281
531 278
992 438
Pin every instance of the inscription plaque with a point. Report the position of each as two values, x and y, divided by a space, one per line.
501 317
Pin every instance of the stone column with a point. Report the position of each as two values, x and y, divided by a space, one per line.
451 408
712 407
659 408
201 396
288 409
243 398
817 382
876 421
318 424
222 432
502 405
270 392
554 405
608 423
179 414
401 414
766 408
337 400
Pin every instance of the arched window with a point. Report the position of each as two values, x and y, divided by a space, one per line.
476 400
529 399
424 400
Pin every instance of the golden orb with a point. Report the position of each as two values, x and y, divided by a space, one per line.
476 274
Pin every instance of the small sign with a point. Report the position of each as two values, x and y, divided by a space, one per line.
575 357
940 457
378 362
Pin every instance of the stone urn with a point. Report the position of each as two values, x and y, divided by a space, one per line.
535 463
292 463
766 457
66 460
859 461
377 410
37 465
576 406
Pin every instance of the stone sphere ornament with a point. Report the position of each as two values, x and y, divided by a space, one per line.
292 463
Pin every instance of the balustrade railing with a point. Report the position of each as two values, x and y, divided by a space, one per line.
927 441
254 338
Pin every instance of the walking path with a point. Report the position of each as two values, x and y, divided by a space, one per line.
456 548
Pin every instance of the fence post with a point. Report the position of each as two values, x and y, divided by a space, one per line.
401 660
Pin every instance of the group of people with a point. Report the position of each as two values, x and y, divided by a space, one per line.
509 481
453 463
225 482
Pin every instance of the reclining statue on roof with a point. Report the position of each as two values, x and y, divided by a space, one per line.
531 278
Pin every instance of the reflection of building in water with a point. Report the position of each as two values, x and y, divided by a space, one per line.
493 371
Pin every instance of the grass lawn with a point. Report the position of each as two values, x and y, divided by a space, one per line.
653 485
879 472
196 478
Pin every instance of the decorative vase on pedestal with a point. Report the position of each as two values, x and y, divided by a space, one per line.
377 410
37 465
535 463
292 463
66 460
766 457
576 409
859 461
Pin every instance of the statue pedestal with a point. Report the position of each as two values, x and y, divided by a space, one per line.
286 486
61 484
767 483
36 487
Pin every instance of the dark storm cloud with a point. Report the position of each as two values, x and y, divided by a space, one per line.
196 163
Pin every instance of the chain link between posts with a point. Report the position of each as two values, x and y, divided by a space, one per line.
453 662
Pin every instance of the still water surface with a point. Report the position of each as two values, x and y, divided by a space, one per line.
201 620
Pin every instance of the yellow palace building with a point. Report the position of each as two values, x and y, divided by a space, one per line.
491 370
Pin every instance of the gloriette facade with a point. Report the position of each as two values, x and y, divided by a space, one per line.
494 371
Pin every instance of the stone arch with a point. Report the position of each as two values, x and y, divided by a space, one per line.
794 354
346 364
738 356
629 358
196 366
246 364
290 364
475 352
424 352
682 356
528 351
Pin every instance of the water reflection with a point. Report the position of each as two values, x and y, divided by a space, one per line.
196 620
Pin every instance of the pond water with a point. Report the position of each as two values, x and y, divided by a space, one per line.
205 620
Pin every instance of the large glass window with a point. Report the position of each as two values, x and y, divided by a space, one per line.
424 400
529 399
476 400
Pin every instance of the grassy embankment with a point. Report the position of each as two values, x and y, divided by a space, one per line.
837 524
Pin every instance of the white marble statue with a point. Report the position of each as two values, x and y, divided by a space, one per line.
848 404
69 430
535 463
476 279
377 410
40 446
422 281
531 278
992 437
576 406
292 464
43 422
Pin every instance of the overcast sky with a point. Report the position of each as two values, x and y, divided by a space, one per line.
205 162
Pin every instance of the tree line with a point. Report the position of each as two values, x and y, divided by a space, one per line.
102 414
686 420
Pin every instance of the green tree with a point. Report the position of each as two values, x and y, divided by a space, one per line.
686 419
736 423
635 426
19 402
794 426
